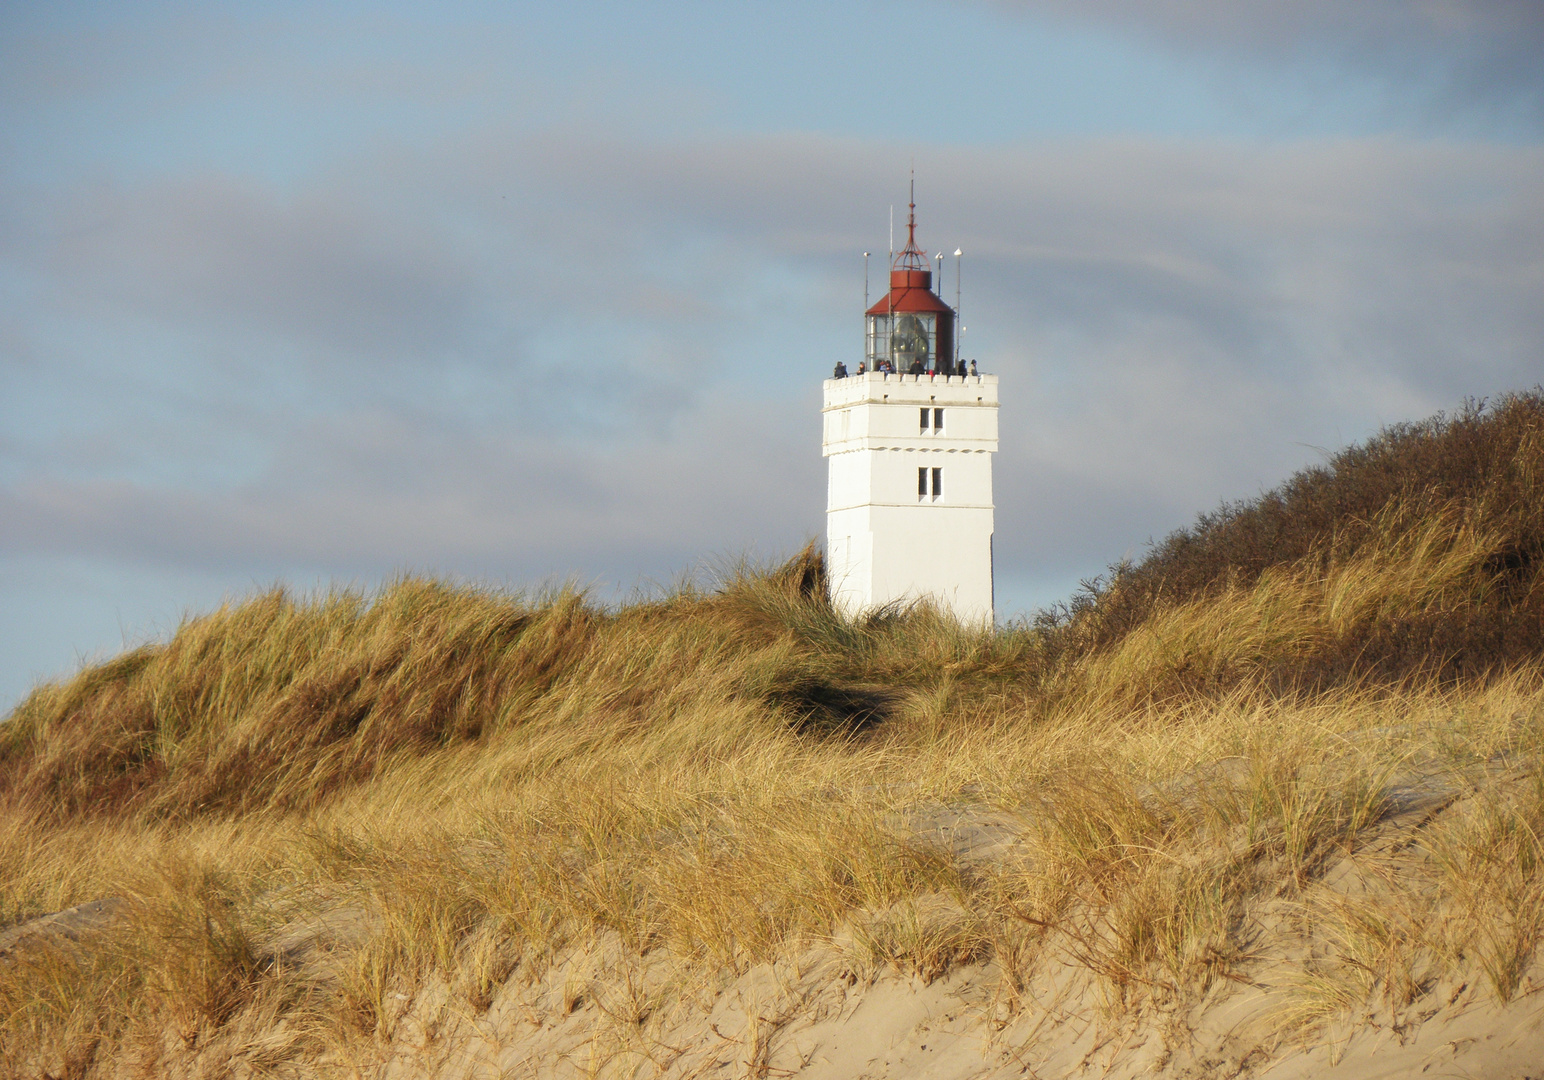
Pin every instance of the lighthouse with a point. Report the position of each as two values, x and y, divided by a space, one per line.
909 441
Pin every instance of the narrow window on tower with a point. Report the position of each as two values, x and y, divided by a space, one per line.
924 420
938 484
938 421
921 484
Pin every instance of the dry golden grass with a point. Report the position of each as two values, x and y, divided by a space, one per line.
705 818
451 784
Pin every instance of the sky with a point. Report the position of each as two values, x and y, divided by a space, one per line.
517 294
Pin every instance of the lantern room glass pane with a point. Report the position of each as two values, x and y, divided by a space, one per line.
904 339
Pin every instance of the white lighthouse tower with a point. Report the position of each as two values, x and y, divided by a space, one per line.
910 443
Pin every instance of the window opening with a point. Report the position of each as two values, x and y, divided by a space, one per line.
924 419
930 486
938 421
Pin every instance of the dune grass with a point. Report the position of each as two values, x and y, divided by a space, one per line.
471 786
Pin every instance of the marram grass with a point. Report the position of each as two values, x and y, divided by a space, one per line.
466 786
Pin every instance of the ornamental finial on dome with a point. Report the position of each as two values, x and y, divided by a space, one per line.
911 257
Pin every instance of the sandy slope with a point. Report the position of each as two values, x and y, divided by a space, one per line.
827 1014
822 1023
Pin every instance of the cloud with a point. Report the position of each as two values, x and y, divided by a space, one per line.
1462 54
529 356
1176 322
1285 25
321 269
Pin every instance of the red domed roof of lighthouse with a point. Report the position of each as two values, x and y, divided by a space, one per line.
911 291
911 282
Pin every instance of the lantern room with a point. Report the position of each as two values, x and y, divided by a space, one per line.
911 331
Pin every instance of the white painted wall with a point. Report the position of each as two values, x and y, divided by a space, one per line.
883 542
